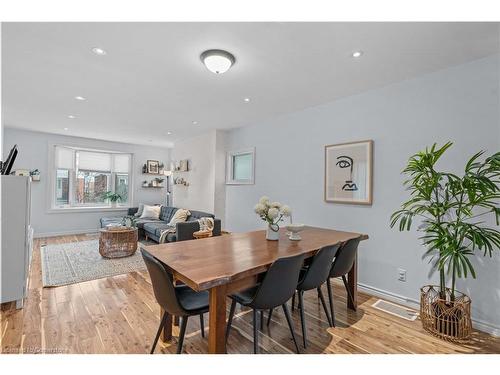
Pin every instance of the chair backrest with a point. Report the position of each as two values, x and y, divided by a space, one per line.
319 269
163 285
279 283
345 258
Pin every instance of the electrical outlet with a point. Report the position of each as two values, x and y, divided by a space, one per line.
401 274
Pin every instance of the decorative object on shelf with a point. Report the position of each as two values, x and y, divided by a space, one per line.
113 197
348 172
35 175
272 213
153 166
144 168
144 183
161 167
447 206
22 172
158 182
180 181
294 230
182 166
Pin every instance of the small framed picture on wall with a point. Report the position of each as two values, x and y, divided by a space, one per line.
349 172
153 166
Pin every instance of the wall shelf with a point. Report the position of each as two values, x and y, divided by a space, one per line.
152 187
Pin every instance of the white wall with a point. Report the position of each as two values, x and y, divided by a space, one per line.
206 190
34 153
458 104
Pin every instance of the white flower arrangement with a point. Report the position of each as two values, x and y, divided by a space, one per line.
272 212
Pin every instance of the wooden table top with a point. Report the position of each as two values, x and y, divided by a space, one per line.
205 263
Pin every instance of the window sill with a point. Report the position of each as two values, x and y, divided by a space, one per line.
86 209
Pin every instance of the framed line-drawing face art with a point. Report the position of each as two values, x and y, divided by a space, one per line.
348 172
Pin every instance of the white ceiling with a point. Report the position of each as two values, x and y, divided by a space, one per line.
152 81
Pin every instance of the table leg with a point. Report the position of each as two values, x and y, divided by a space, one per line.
217 320
166 334
352 282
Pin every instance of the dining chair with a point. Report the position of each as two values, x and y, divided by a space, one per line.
341 266
313 277
178 300
276 288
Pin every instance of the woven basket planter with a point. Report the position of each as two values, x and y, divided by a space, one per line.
118 243
449 320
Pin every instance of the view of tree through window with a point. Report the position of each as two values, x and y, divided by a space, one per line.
91 187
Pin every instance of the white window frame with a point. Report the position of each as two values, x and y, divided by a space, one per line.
54 208
230 167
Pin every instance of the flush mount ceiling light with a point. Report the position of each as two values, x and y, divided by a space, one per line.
357 54
81 98
71 116
168 133
98 51
246 100
217 60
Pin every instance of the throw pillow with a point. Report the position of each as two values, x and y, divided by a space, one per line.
151 212
140 210
180 216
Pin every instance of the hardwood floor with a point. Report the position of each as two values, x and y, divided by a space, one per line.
119 315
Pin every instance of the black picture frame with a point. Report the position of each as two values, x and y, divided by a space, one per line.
153 166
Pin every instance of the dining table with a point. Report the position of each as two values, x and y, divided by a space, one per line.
228 263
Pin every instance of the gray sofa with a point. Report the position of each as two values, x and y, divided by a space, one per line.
152 228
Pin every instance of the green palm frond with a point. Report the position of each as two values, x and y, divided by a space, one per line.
447 205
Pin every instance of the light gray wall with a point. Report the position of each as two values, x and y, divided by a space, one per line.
458 104
200 151
34 153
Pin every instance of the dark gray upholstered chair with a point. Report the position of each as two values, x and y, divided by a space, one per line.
276 288
341 266
313 277
180 300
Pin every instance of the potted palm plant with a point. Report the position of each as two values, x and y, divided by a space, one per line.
112 197
452 211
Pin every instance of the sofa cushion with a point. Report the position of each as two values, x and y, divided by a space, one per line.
156 228
141 222
167 213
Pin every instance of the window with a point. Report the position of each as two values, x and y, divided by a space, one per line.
83 176
240 167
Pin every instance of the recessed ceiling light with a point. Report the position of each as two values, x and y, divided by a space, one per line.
98 51
71 116
80 98
357 54
217 60
195 122
65 128
246 100
168 133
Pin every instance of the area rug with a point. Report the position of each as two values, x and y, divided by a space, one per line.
75 262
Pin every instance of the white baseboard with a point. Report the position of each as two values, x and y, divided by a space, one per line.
65 233
414 304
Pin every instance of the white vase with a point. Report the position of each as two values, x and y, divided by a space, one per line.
273 235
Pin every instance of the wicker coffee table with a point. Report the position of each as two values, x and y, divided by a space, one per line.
118 243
